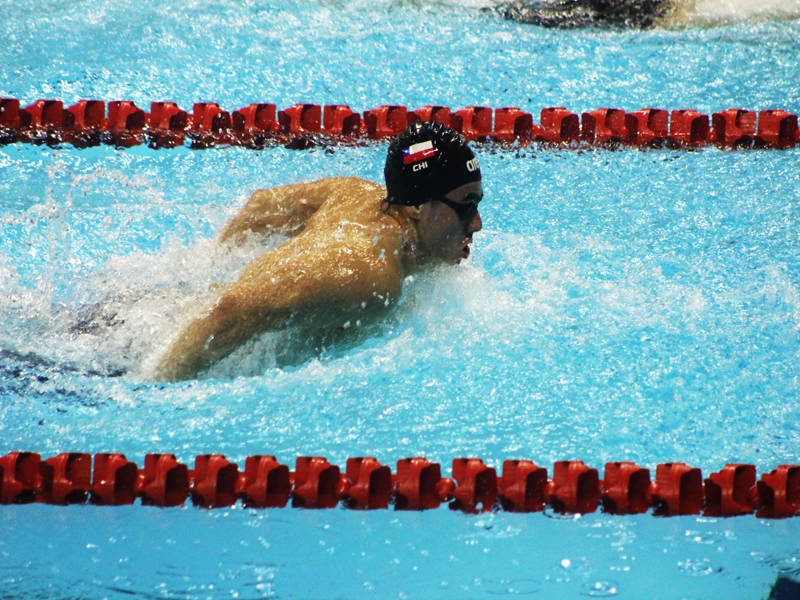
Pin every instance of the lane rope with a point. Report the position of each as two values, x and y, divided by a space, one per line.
258 126
416 484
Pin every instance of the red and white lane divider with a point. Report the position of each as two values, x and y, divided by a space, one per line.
87 123
417 484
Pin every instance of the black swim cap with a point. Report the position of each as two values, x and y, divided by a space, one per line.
426 161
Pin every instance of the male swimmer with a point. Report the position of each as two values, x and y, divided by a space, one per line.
604 14
352 244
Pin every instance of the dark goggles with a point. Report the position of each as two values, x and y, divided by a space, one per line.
464 210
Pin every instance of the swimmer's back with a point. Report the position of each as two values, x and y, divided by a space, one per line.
288 209
349 199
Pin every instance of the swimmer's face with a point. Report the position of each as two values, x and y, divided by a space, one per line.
447 224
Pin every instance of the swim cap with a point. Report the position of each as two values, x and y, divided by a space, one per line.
426 161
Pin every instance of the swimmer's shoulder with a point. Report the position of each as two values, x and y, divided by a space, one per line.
353 186
322 189
350 198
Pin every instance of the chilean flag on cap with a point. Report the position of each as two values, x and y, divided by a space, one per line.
418 152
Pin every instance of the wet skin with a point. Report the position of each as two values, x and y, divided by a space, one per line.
346 261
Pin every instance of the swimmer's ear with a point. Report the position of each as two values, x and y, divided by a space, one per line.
414 212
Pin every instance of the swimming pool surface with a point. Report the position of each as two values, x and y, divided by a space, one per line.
619 305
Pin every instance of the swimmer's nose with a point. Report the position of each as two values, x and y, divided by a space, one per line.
475 224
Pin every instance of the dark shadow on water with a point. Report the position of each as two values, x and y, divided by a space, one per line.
784 588
15 365
304 345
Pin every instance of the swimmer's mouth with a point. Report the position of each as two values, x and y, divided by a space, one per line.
465 252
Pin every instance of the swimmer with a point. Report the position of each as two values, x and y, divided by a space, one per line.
352 245
570 14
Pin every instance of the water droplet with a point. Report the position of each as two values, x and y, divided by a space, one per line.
513 587
600 589
704 537
696 567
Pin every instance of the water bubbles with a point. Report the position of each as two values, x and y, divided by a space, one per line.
551 513
568 568
600 589
697 567
788 566
783 565
513 587
704 537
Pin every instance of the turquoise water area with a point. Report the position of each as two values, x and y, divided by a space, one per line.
618 305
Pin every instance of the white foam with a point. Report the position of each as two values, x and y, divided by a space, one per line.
125 311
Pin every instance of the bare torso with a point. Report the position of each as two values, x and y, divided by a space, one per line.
345 262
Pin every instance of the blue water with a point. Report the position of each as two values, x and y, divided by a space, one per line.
629 305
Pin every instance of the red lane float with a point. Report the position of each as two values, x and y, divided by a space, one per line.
167 124
82 123
19 476
209 126
163 481
369 484
305 125
678 490
114 480
125 124
265 483
65 479
779 493
522 486
512 124
604 126
648 127
731 492
440 114
627 489
339 120
688 128
366 484
559 126
776 129
734 127
473 122
575 488
419 485
213 481
476 485
300 119
385 121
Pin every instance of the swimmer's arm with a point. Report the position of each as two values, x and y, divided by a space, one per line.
284 209
319 290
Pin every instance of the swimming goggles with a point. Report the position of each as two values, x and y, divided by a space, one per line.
464 210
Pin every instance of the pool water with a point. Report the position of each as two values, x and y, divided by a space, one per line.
618 305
